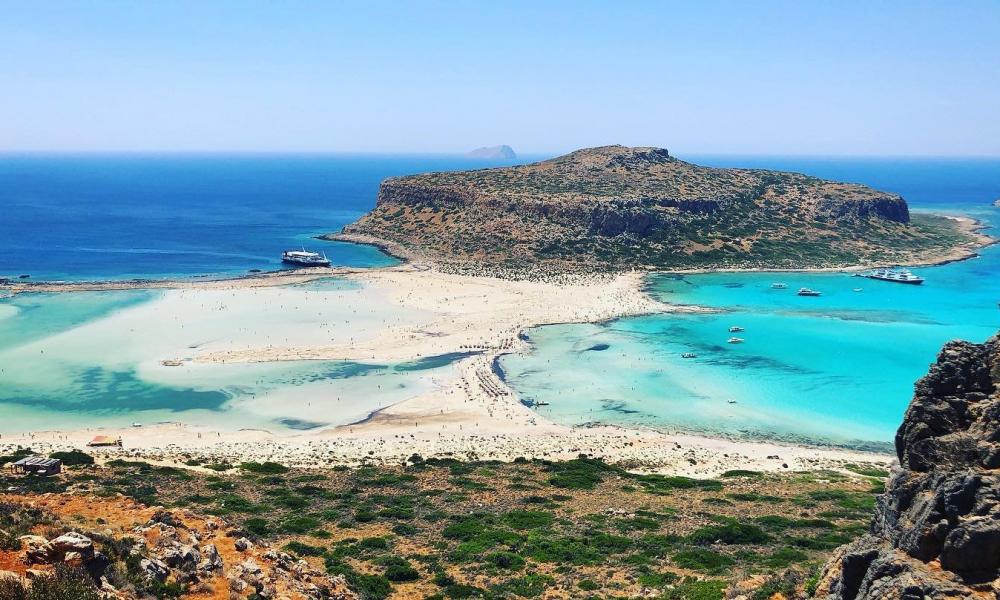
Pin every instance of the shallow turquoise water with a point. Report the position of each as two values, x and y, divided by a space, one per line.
835 369
52 377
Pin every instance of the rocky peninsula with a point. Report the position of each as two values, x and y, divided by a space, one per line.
616 208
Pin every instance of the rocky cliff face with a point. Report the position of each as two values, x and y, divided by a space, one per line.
616 207
936 531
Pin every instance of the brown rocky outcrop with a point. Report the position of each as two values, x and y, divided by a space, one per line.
615 207
936 531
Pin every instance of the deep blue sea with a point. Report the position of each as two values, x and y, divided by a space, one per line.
836 369
112 217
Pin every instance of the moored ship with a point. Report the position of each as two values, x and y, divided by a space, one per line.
303 258
893 275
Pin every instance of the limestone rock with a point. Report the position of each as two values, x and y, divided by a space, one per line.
243 544
211 560
72 542
36 548
154 569
936 530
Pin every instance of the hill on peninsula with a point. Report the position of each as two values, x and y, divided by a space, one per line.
616 207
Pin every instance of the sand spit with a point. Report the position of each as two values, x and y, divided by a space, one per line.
468 413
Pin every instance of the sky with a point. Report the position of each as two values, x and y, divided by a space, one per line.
765 77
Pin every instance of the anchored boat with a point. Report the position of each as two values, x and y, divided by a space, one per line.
303 258
808 292
893 275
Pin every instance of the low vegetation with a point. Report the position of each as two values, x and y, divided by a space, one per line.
448 529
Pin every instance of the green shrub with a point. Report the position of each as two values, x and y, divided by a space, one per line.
701 559
729 533
257 526
265 468
580 473
528 519
696 590
298 524
73 458
505 560
297 547
742 473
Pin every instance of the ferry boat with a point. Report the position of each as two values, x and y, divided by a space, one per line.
808 292
304 258
777 285
893 275
735 340
735 329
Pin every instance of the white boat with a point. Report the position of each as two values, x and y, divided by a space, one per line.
735 329
808 292
777 285
856 289
303 258
689 355
893 275
735 340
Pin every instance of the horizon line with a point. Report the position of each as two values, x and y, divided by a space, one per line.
461 154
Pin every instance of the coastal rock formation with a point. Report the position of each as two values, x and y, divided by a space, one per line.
615 207
936 531
503 152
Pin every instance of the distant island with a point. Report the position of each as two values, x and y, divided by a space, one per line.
493 152
615 208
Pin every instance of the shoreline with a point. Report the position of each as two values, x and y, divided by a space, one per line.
473 412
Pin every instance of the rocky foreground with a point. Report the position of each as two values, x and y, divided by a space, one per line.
614 208
936 531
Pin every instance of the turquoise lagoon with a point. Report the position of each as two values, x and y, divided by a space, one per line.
91 359
835 369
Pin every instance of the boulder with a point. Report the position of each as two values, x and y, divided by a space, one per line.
36 549
210 561
182 557
71 542
242 544
154 569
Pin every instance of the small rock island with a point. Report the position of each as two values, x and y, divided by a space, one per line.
615 208
502 152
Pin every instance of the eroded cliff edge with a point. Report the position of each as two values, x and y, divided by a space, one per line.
615 207
936 530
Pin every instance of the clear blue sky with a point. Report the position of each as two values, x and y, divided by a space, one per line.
866 77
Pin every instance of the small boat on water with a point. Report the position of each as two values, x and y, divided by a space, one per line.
303 258
777 285
808 292
893 275
541 403
689 355
732 401
735 340
856 290
735 329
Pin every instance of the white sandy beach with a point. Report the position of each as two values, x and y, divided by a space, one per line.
396 315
